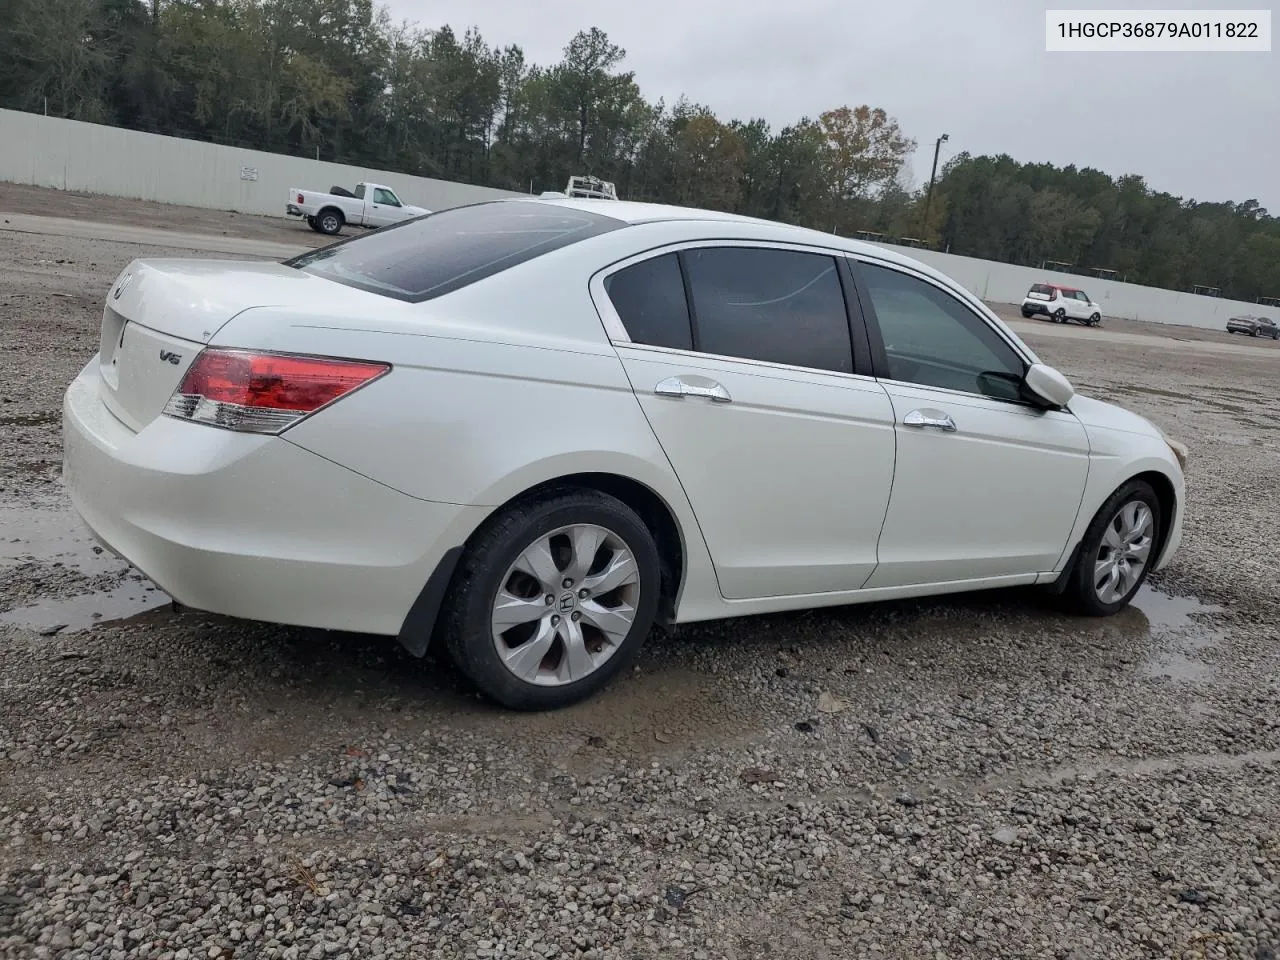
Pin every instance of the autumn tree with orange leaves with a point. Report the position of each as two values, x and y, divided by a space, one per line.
866 150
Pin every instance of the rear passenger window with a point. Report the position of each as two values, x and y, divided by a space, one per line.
780 306
649 297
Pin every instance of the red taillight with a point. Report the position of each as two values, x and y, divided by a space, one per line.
301 199
264 392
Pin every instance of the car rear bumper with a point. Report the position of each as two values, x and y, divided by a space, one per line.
252 526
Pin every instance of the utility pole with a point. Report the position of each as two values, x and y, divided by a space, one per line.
928 197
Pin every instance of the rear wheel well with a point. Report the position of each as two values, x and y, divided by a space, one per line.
418 630
332 209
650 507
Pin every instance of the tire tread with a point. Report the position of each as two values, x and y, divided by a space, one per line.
1080 595
464 619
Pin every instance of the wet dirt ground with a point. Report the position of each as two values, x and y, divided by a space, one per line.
978 776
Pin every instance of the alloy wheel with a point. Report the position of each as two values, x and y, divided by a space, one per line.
1124 552
566 605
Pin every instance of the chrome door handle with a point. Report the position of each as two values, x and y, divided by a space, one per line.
693 387
935 419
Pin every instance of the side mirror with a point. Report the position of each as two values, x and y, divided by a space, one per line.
1049 386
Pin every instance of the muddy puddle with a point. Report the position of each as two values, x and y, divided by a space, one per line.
1180 637
52 547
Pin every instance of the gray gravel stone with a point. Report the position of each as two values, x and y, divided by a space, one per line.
1003 780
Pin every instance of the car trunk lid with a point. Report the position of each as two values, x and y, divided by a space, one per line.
160 314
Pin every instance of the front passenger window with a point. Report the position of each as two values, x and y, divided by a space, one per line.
934 340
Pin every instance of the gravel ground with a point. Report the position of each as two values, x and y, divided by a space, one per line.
971 777
18 198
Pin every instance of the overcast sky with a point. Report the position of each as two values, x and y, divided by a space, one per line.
1201 125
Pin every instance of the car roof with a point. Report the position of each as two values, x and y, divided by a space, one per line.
1055 286
635 212
630 211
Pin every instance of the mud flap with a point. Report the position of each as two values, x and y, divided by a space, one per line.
415 632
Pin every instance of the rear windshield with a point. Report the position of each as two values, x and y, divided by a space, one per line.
1043 288
441 252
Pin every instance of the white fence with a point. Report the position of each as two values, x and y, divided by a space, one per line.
1008 283
91 158
88 157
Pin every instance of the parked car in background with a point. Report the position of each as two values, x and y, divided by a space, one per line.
1254 326
528 429
1061 304
370 205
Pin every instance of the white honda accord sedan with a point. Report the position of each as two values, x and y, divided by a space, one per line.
528 429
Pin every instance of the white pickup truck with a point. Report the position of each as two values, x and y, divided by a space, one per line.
371 205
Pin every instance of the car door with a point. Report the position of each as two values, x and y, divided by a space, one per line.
383 209
986 486
1066 301
742 358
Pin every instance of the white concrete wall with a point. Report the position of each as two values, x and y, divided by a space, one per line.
88 157
1008 283
91 158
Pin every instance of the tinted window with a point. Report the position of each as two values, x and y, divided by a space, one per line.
430 256
385 196
359 191
1043 288
774 305
933 339
649 297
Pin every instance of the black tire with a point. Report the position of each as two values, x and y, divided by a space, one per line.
1253 332
330 221
1080 595
1095 320
1060 316
466 618
1026 316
